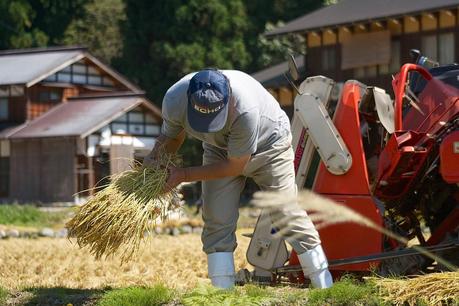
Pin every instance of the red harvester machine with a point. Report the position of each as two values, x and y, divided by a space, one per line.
395 162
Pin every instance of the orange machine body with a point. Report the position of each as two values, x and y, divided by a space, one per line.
352 190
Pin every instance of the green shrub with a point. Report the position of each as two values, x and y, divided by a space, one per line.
345 292
240 296
3 295
138 296
28 215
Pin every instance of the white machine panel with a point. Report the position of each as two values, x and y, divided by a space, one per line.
323 133
302 144
266 251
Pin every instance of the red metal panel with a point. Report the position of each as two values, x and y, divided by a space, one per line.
399 89
449 158
350 239
346 120
438 102
400 163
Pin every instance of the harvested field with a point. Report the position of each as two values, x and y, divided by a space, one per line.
178 262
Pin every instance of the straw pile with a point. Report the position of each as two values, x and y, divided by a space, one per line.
433 289
118 217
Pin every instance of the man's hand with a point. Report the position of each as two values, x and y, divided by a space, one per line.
163 144
149 160
176 176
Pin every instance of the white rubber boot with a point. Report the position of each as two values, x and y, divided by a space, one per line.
315 266
220 267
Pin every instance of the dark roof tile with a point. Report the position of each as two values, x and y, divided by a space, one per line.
80 117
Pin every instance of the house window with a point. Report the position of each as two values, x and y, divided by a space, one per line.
429 46
119 128
81 73
439 47
4 91
16 91
135 122
94 80
79 78
136 129
151 129
11 91
50 95
383 69
329 59
4 109
446 48
371 71
366 72
359 72
136 117
394 64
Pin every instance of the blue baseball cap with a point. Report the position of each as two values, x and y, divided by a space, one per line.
208 95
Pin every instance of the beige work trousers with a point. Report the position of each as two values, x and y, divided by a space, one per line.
271 170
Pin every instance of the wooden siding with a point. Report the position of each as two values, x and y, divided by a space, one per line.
85 175
366 49
4 176
17 109
120 158
42 170
407 31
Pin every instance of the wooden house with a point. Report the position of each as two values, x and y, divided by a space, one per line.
369 40
66 122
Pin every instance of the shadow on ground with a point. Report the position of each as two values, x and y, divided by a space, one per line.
59 296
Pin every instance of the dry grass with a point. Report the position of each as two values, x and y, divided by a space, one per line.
434 289
178 262
116 218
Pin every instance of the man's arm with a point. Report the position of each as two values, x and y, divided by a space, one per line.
164 144
232 166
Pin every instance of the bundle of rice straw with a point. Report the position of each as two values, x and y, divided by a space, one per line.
433 289
116 218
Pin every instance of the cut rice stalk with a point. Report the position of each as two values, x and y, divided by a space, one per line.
434 289
116 218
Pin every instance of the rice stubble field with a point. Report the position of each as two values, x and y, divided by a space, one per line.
177 262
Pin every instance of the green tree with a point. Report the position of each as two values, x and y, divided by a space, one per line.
273 50
265 15
99 29
54 16
166 39
36 23
16 26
